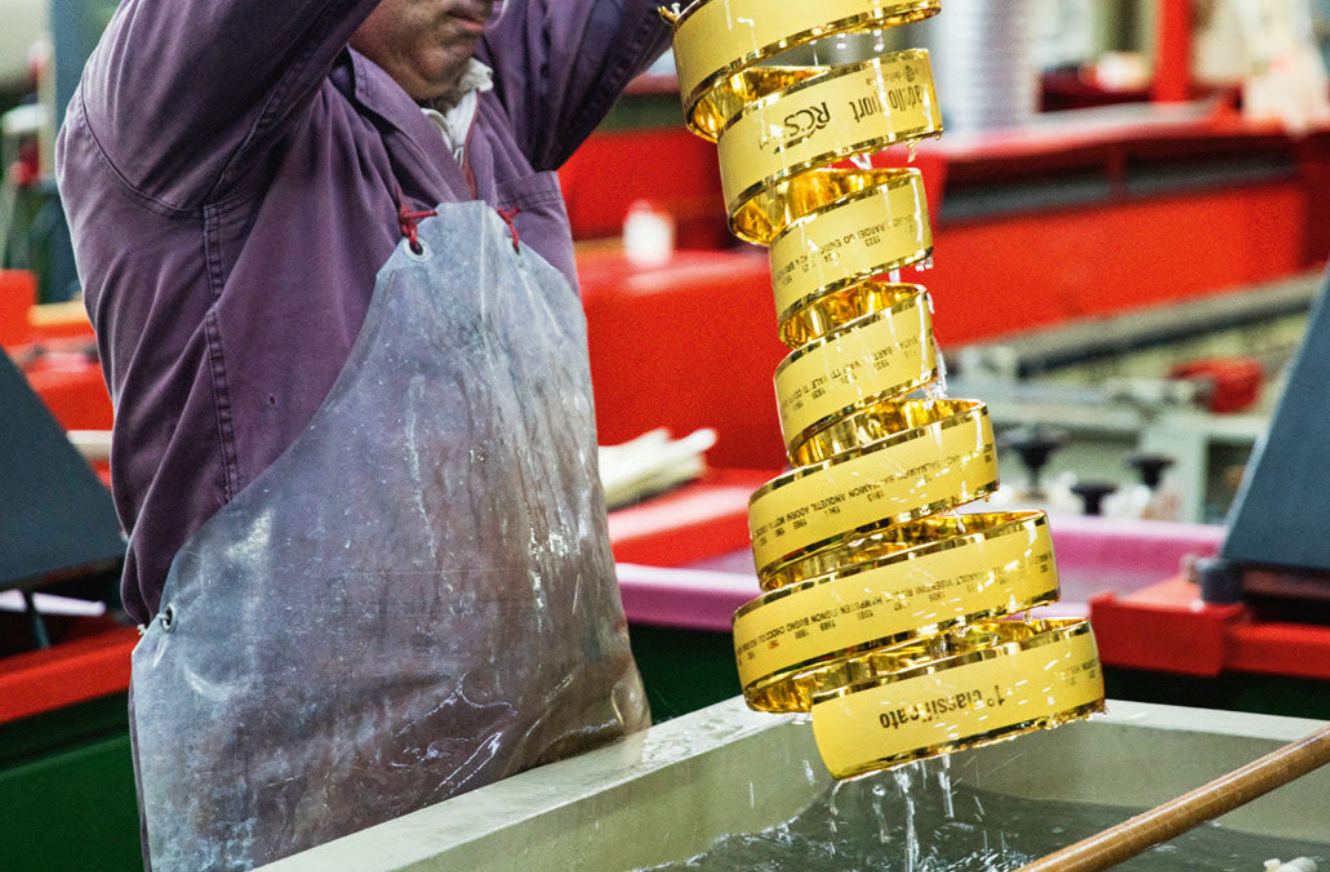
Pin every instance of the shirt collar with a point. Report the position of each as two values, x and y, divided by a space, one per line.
478 77
371 87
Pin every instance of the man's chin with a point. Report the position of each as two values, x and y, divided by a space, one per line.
434 77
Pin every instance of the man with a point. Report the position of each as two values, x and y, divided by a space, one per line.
332 278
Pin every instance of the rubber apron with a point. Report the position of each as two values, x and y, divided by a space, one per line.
416 599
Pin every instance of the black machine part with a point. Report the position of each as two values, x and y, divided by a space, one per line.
1035 446
1278 543
56 517
1092 494
1150 467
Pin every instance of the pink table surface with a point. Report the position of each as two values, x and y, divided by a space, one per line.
1095 555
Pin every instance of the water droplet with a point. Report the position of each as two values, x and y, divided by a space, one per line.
904 781
832 805
944 782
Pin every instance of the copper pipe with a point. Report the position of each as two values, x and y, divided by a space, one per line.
1177 816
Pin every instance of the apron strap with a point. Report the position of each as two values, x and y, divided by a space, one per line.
409 222
508 215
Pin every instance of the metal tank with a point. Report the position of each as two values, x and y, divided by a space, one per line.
669 794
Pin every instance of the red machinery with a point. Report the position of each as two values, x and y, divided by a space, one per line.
688 344
1166 210
1167 628
56 350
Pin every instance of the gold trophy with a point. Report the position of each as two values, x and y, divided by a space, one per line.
887 613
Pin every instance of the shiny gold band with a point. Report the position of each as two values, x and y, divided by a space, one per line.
882 544
867 426
845 227
856 109
836 310
1003 565
994 682
721 105
714 40
947 458
873 359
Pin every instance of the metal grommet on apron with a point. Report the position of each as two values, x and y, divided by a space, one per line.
417 598
418 252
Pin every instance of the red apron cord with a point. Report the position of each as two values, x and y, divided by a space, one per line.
409 222
508 215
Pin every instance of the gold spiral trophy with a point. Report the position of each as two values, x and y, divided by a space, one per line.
883 606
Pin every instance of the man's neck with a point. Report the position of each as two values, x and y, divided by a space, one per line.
474 76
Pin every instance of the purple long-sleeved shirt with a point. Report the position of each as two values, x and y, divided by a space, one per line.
231 172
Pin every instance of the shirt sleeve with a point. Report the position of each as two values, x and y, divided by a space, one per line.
179 93
559 65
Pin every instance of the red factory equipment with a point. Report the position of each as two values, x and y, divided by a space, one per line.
56 349
1082 219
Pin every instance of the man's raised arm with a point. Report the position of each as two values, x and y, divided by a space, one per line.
180 92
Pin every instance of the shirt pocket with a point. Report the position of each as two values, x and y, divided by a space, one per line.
541 219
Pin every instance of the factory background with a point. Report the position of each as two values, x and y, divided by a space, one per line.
1131 225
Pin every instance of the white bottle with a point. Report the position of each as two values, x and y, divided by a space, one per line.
648 235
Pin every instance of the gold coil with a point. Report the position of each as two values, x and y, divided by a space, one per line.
984 684
886 613
715 41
